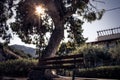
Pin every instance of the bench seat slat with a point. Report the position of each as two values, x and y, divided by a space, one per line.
62 57
54 67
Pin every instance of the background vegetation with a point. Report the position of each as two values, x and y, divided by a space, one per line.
18 67
111 72
100 62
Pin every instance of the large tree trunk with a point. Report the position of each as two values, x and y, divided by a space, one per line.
55 39
58 32
51 49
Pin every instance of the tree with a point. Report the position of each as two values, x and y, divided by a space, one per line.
60 12
5 14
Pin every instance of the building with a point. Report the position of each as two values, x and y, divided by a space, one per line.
108 38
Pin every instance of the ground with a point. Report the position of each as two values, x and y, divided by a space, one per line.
61 78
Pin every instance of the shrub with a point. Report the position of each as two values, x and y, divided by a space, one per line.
115 52
94 55
18 67
112 72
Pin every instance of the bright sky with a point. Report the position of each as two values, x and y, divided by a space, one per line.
110 19
17 40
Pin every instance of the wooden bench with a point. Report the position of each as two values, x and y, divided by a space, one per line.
63 62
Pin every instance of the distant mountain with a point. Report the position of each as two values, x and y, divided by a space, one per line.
26 50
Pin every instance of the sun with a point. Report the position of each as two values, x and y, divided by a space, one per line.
39 10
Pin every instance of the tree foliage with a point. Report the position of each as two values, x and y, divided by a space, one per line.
5 14
57 18
66 48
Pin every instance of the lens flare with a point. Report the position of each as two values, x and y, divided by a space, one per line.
40 10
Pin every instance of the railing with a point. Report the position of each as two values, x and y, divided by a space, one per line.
109 31
109 34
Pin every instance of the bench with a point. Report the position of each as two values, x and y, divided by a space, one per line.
62 62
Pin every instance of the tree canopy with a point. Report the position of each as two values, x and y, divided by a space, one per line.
58 17
5 14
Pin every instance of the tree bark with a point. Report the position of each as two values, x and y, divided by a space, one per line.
58 32
55 39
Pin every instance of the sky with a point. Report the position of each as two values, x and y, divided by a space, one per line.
110 19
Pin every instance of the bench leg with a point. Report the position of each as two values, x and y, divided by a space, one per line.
73 75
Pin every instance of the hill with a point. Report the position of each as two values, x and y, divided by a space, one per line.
27 50
15 52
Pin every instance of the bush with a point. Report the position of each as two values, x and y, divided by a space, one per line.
112 72
18 67
94 55
115 53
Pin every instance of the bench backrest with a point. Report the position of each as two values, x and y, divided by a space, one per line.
61 62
